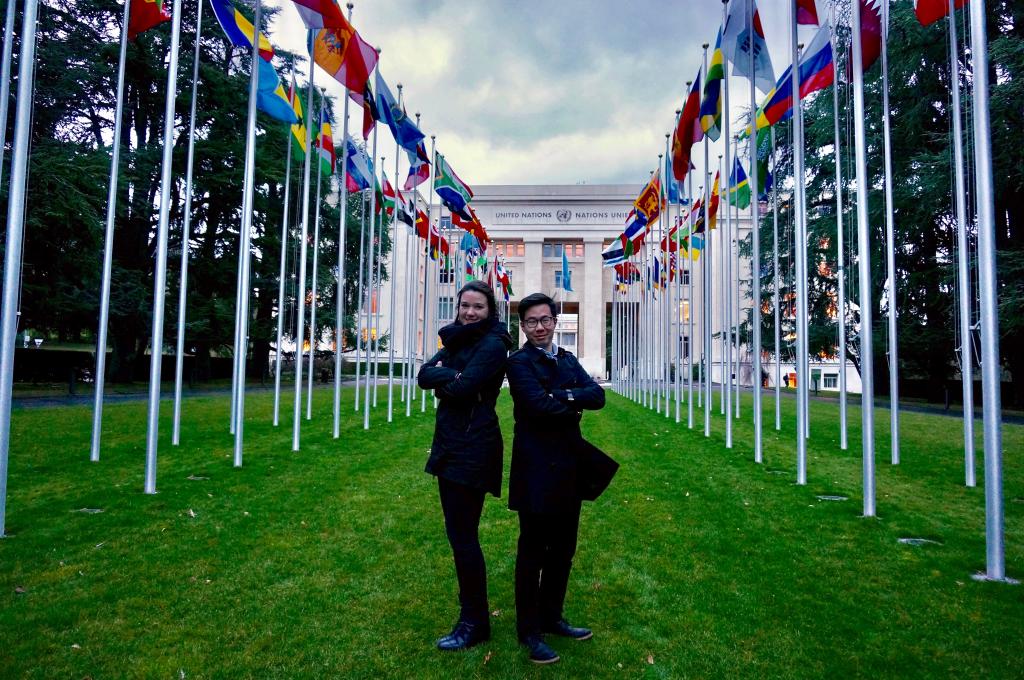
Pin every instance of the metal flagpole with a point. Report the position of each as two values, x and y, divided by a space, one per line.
316 267
99 376
656 328
186 232
735 240
15 235
370 331
245 235
755 260
963 273
727 285
427 307
376 308
988 293
689 306
890 249
864 271
801 258
391 284
282 270
775 295
5 73
339 322
840 250
359 297
413 269
707 314
160 276
300 326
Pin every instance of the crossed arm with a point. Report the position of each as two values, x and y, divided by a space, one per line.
530 394
448 383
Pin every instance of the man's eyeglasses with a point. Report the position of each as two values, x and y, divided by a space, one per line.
546 321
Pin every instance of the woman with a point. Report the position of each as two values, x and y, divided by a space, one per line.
466 454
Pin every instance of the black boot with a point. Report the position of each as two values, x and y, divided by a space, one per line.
540 652
465 635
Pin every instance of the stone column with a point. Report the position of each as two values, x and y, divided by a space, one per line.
592 317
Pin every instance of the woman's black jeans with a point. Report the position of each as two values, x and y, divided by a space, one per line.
462 506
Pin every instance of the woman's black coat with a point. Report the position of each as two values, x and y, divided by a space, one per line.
466 376
546 446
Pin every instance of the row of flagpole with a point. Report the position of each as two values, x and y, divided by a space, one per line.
638 367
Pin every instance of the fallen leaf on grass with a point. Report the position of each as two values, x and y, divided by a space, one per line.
619 664
487 657
496 613
597 585
650 659
76 646
89 511
100 545
191 513
20 590
196 478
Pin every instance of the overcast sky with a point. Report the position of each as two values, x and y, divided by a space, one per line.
542 91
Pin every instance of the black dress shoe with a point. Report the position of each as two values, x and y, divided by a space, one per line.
562 628
540 653
465 635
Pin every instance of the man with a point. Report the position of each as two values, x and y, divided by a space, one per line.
549 390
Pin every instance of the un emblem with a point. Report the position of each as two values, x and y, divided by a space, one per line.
563 216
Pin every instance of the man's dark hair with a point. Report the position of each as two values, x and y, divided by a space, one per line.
485 290
534 299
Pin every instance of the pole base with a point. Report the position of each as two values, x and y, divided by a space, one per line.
981 576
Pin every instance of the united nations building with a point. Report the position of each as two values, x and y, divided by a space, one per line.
532 226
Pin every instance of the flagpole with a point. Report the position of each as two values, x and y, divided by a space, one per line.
359 297
705 313
245 236
755 271
282 267
963 272
413 268
689 305
99 377
840 250
316 264
427 308
890 250
801 257
988 293
864 268
657 353
391 279
339 321
16 233
775 295
186 233
727 281
736 320
5 73
160 276
370 331
300 326
376 318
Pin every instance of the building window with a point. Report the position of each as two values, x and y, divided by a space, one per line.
684 311
685 348
686 278
558 277
566 340
445 308
830 381
446 222
579 250
447 275
552 250
555 249
520 250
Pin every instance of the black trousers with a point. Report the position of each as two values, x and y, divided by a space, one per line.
462 506
547 544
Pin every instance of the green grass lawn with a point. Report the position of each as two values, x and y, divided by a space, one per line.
332 562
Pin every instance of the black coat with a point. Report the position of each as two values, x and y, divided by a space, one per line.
466 376
545 449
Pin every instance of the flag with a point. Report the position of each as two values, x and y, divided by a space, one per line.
713 203
738 44
325 142
368 103
453 192
739 186
237 29
566 273
389 197
764 174
672 187
816 73
711 106
648 203
427 231
502 277
320 14
360 167
405 132
870 36
144 15
419 167
627 272
270 95
930 11
670 241
807 12
633 235
298 128
472 226
345 55
613 254
688 131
